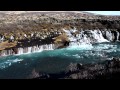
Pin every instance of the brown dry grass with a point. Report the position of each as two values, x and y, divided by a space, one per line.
6 44
61 38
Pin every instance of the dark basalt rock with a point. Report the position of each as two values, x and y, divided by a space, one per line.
38 75
114 63
105 70
15 50
66 43
108 70
73 67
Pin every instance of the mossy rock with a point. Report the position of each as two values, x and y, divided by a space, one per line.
61 39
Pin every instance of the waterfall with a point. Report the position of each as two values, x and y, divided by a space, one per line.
118 35
6 52
97 34
85 37
36 48
81 38
109 35
27 50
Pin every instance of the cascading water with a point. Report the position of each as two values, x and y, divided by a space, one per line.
36 49
85 37
109 35
118 35
27 50
87 46
97 34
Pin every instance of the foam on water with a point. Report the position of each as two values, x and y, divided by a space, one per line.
8 63
107 47
80 47
57 60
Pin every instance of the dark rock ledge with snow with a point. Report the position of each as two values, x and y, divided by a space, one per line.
26 32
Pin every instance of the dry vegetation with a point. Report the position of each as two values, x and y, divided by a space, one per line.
61 39
6 44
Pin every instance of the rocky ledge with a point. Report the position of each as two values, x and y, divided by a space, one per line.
105 70
29 29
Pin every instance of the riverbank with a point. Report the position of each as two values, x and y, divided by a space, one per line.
109 69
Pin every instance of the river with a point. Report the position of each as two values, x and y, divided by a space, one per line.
54 61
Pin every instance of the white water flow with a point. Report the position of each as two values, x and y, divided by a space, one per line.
36 49
85 39
98 36
82 39
28 50
109 35
118 35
